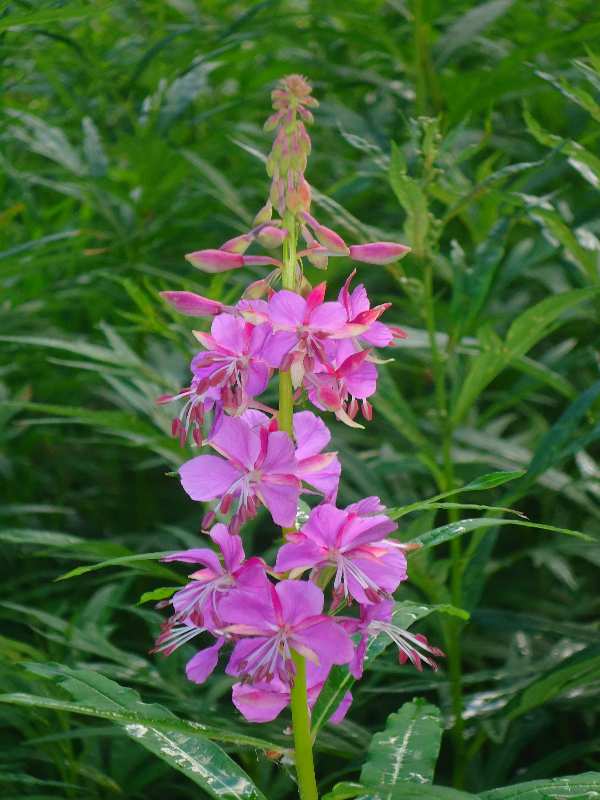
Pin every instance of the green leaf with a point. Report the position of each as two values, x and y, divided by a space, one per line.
585 785
407 749
574 672
468 26
453 529
183 745
402 791
489 481
162 593
125 561
413 200
553 444
586 163
395 409
528 329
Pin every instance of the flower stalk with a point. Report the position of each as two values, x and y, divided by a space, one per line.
305 769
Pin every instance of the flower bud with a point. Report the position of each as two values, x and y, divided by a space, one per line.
215 260
271 237
298 199
239 244
328 238
193 305
264 215
378 252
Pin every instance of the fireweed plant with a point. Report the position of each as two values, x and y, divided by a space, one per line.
285 625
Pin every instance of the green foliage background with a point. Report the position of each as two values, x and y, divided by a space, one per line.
130 133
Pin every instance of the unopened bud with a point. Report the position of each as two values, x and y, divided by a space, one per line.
378 252
299 199
239 244
193 305
215 260
271 237
264 215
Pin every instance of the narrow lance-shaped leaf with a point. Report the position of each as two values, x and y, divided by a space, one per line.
156 729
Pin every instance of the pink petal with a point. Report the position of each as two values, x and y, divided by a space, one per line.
379 335
366 506
277 346
203 663
257 378
259 704
328 317
302 554
325 479
341 711
299 600
197 555
242 650
229 544
362 382
363 530
280 455
229 332
286 309
328 640
310 433
207 477
281 500
323 524
255 419
234 439
252 608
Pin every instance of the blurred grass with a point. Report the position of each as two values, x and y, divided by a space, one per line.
129 133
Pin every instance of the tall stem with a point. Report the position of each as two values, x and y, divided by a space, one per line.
452 628
305 769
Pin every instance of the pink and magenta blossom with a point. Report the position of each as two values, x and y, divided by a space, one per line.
254 467
197 604
277 620
367 566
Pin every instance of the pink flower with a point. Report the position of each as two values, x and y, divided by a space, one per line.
368 566
197 604
377 619
308 323
257 466
277 620
378 252
338 383
319 470
359 312
264 701
238 359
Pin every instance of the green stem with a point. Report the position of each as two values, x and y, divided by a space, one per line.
452 628
305 769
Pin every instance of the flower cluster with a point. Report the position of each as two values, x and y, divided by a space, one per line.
334 559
